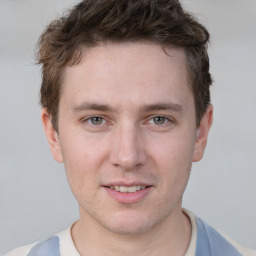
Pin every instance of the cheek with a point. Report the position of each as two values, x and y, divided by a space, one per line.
82 151
82 159
173 160
173 151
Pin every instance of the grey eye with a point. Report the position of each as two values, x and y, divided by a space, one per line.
96 120
159 120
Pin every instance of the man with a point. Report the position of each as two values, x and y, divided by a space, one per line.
126 106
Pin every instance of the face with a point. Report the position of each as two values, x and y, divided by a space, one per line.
127 134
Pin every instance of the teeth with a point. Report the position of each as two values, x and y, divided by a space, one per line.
117 188
132 189
124 189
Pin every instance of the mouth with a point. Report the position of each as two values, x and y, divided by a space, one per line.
128 194
130 189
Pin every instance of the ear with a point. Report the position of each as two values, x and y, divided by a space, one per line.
202 134
52 136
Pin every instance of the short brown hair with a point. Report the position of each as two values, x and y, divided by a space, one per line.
91 22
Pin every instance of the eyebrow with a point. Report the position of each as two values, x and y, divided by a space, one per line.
92 106
146 108
162 106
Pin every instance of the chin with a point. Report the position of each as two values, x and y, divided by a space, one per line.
129 228
132 224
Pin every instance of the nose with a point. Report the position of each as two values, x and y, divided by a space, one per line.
128 152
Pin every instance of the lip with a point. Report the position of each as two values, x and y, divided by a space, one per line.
127 184
128 198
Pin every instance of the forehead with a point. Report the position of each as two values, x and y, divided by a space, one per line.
140 69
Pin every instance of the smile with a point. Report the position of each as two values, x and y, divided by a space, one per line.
124 189
128 194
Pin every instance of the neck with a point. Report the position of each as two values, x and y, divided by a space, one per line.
171 237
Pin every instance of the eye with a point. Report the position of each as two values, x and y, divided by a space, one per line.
96 120
159 120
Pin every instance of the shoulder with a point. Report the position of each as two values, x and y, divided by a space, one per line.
243 250
216 242
21 251
49 247
60 244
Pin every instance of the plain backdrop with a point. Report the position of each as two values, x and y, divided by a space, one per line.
35 200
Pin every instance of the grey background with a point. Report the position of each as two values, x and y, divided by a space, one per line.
35 200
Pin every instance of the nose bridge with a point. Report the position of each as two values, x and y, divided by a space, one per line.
127 151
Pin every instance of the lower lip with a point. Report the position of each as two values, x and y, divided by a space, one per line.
128 198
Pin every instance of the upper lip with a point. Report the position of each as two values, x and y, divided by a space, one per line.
127 184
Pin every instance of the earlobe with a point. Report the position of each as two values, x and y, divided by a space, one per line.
52 136
202 134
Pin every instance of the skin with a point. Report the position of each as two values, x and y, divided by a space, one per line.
144 132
